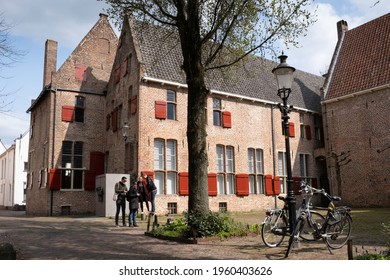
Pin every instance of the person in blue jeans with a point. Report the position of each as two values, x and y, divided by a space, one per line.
133 199
152 190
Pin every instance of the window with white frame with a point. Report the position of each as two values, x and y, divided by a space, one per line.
256 171
72 165
171 105
217 113
304 163
282 171
165 166
225 169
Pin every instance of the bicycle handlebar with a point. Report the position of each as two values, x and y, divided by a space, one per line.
306 188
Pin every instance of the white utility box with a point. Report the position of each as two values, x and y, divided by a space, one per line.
105 189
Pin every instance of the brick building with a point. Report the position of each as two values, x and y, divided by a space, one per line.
66 149
356 119
146 97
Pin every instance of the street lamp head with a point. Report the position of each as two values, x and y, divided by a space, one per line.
283 73
125 131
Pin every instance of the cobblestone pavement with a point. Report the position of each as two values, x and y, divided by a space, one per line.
69 238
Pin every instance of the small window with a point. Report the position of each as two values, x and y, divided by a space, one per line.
172 208
171 105
217 114
79 109
223 207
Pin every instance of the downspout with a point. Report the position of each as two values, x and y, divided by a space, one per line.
273 151
52 146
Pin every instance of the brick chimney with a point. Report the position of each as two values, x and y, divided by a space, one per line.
342 27
50 63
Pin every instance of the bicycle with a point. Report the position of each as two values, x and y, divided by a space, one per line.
337 227
275 225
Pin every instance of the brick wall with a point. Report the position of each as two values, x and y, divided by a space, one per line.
359 137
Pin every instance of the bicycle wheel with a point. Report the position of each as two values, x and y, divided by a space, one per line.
307 232
337 234
274 230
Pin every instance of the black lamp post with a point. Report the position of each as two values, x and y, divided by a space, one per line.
284 77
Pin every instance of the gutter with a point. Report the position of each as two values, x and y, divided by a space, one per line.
356 94
222 93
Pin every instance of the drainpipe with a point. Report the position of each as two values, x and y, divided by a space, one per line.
53 145
273 151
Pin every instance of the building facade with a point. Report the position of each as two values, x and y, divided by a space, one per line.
142 94
355 108
13 173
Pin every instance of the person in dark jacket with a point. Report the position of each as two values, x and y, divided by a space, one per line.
143 195
133 199
121 190
151 188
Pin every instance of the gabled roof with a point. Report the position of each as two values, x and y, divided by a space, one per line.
160 53
363 61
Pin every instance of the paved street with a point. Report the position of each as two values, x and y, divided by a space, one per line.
69 238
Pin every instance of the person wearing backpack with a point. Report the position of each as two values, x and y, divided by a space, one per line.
132 197
152 190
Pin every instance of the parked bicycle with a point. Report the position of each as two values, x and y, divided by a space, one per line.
334 231
275 225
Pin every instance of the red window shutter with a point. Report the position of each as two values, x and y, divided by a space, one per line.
297 185
134 105
115 120
242 182
268 185
149 173
161 109
67 113
277 185
118 74
96 162
308 132
55 179
291 129
81 73
226 119
212 182
183 183
89 180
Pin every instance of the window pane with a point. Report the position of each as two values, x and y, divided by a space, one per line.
229 159
217 103
80 101
221 184
171 96
171 183
79 114
171 111
259 161
251 161
230 184
217 118
66 179
159 182
259 185
77 179
281 165
159 155
220 167
251 184
171 155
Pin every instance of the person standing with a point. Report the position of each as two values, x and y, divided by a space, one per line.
152 190
121 190
132 198
143 195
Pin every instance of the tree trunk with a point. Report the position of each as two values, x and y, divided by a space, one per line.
189 30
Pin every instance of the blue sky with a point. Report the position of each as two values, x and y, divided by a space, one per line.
68 21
